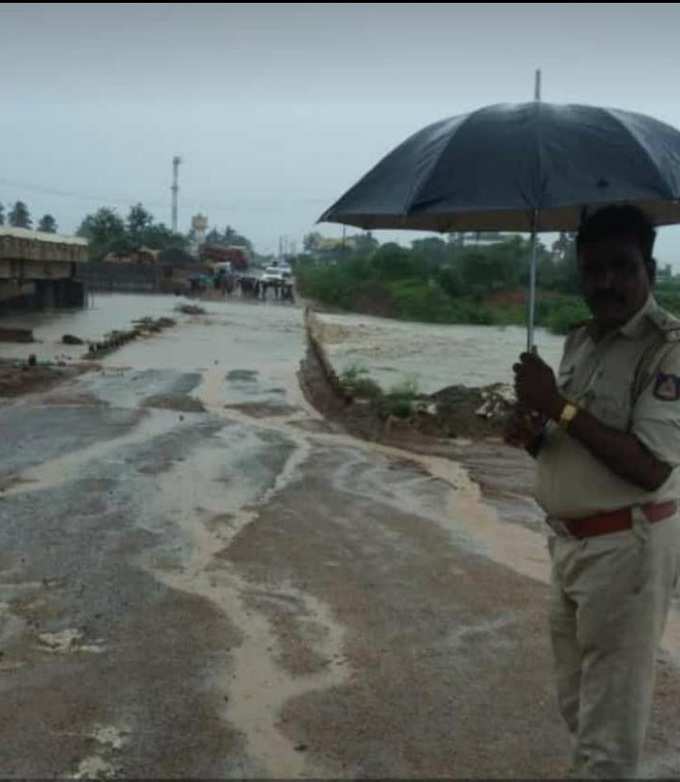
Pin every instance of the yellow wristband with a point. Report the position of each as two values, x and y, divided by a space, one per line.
569 412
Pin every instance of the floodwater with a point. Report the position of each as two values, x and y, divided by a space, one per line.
434 356
106 490
247 326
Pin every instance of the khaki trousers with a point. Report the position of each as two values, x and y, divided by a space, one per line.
610 597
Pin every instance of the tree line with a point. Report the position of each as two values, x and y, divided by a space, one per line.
18 216
462 278
109 233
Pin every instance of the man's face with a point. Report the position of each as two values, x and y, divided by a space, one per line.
614 279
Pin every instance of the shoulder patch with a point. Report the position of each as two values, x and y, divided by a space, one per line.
667 387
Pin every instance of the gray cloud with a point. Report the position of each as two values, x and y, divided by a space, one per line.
278 108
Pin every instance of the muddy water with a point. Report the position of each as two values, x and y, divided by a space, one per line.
232 334
435 356
106 313
249 353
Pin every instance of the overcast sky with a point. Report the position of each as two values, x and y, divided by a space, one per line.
277 109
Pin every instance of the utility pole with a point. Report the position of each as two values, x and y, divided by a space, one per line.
175 190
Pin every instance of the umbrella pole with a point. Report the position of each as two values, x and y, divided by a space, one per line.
534 248
532 284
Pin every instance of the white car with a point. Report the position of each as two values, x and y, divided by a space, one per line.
223 267
272 274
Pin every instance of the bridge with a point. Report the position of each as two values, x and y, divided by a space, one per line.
38 270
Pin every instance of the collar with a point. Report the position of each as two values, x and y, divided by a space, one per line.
635 327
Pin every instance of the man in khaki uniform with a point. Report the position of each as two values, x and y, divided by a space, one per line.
606 435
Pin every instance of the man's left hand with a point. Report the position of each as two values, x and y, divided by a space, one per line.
536 387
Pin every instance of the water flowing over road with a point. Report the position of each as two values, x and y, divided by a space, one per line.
200 577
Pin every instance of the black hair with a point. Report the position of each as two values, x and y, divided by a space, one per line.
621 220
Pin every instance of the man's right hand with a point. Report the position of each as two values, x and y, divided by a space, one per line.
523 428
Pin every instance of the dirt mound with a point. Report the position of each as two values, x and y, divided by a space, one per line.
453 412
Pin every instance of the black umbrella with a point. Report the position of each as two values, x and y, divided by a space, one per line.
519 167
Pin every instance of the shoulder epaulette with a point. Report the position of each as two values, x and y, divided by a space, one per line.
666 323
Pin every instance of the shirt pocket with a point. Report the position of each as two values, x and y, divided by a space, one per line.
611 408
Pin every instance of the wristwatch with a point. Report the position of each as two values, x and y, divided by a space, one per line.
569 412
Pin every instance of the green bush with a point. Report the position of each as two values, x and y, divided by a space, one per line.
563 314
355 381
450 281
398 401
392 262
418 300
669 300
395 282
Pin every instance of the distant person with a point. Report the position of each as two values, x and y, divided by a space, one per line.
606 436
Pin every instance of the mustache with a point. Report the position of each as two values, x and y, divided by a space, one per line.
606 297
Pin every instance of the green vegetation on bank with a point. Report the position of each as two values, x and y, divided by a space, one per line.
467 279
399 401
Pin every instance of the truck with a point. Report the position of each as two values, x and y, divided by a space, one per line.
238 257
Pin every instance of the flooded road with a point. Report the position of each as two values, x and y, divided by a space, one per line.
201 578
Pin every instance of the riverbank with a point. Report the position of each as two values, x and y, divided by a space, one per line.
466 429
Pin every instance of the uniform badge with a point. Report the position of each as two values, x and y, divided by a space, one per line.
667 387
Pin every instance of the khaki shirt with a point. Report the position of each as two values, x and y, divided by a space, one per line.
627 380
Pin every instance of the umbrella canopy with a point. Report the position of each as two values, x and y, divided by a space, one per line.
519 167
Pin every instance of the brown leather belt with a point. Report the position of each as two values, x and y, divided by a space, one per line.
615 521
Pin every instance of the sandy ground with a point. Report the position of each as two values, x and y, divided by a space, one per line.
201 576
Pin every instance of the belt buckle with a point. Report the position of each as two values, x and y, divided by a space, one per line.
558 527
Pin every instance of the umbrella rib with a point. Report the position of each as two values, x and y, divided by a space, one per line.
417 186
655 167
